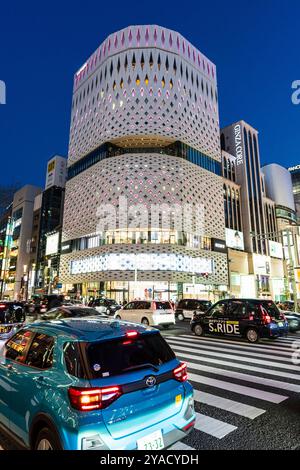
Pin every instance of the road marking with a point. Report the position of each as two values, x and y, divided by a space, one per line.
286 375
232 406
212 426
221 349
233 344
180 446
248 359
240 389
246 377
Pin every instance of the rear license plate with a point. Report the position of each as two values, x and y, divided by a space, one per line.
153 441
280 323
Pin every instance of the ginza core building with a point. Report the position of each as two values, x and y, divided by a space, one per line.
144 134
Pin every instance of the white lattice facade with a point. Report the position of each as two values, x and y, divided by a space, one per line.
143 84
144 87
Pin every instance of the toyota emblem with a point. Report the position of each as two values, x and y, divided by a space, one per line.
150 381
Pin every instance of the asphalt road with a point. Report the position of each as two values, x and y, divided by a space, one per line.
246 396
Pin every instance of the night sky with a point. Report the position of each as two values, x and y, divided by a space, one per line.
255 45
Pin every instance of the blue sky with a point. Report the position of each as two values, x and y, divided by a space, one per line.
253 43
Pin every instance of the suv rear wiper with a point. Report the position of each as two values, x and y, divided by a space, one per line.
142 366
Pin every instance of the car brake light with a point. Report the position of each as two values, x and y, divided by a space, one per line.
88 399
180 373
266 318
131 334
2 306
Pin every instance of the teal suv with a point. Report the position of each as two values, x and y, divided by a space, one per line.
93 384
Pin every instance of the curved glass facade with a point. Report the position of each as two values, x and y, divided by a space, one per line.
178 149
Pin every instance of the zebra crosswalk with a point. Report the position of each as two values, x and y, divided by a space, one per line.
235 378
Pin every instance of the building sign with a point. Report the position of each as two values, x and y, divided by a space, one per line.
66 247
51 166
52 244
142 262
234 239
238 145
218 245
56 172
275 249
261 264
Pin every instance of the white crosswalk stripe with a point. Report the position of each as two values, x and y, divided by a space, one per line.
226 374
261 370
240 389
180 446
285 351
213 427
212 347
236 357
235 407
246 377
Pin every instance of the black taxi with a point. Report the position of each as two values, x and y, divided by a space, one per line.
250 318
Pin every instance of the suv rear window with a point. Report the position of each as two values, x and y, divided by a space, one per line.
119 356
162 305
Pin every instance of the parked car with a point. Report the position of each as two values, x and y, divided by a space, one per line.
293 319
187 307
97 385
147 312
30 306
249 318
74 302
12 311
108 306
70 311
12 317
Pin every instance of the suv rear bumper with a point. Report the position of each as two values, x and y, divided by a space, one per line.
95 436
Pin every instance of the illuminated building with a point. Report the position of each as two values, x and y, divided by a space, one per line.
18 241
50 225
144 128
256 209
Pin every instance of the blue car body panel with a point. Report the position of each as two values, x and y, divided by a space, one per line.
27 393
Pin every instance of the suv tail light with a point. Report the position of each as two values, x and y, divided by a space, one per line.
180 373
88 399
2 306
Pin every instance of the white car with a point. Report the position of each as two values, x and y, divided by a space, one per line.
147 312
